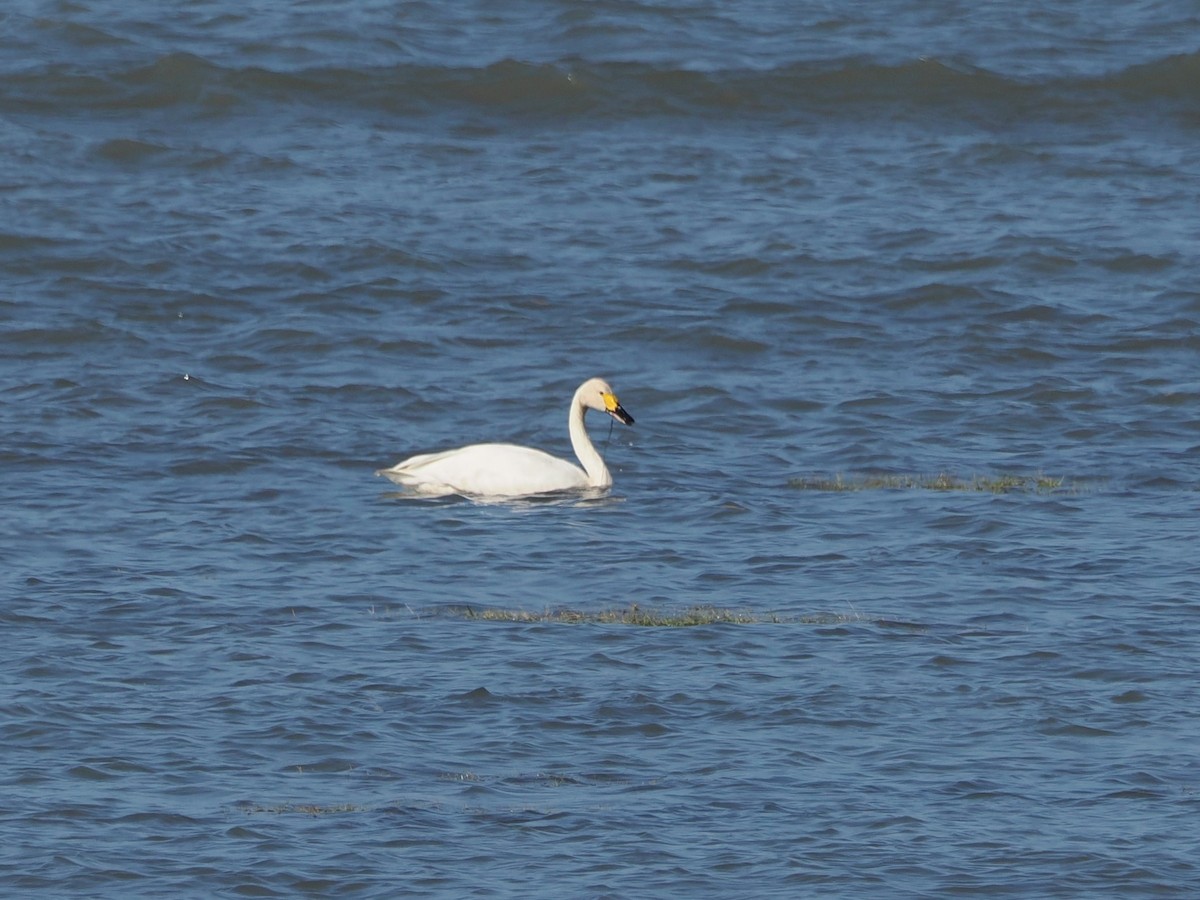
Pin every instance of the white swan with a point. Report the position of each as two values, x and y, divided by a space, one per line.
507 470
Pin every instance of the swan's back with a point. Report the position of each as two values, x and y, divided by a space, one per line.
487 470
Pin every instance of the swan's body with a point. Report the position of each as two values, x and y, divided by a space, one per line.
508 470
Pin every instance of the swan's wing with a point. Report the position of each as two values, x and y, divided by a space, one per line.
495 470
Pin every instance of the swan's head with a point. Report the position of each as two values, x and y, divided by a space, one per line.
596 394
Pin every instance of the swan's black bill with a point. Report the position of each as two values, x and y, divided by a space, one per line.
618 413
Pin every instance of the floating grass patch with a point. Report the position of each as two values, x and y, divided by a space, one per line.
985 484
628 615
651 618
303 809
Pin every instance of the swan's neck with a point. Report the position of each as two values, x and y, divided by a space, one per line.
597 471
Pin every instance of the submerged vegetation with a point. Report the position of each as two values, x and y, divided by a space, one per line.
304 809
995 484
638 615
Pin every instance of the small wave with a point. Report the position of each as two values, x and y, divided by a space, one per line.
126 150
846 87
1174 77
